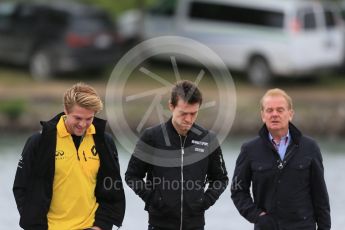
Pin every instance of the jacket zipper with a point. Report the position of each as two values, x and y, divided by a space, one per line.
283 162
182 156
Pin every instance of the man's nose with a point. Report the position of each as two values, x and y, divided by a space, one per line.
274 113
189 118
82 123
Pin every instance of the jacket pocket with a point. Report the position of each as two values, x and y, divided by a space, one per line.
266 222
156 200
298 215
263 175
303 164
198 204
261 167
300 171
262 171
157 205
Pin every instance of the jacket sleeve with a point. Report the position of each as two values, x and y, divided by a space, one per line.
138 169
240 188
112 206
319 192
217 177
24 171
135 175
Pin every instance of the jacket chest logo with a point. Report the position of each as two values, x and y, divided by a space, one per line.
199 146
199 150
201 143
59 155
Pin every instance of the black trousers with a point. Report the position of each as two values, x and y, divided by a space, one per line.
157 228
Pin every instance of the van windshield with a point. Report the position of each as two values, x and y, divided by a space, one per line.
236 14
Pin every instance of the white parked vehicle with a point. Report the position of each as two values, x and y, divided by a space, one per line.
263 38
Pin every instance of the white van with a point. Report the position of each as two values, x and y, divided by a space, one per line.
263 38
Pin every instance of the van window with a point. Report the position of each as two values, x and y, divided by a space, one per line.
235 14
6 13
89 24
25 16
7 9
308 19
329 19
309 22
164 8
49 18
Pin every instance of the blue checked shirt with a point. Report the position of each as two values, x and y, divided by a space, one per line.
282 145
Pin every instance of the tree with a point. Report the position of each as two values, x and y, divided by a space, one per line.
118 6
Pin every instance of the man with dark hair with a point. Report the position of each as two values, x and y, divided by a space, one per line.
69 176
285 171
178 159
186 91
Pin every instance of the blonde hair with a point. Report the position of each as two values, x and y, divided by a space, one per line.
84 96
276 92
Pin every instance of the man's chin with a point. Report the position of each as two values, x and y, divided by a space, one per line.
79 133
187 127
275 124
274 127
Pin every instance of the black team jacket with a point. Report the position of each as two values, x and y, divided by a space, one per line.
33 184
174 189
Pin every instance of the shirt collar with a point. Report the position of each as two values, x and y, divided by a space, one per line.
62 130
287 137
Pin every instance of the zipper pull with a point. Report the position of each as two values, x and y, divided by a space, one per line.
182 151
281 166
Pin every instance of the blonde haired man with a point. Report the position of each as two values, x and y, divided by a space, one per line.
285 170
68 176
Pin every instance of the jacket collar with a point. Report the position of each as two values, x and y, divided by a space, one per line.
294 132
171 127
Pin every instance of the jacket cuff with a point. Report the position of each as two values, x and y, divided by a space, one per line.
208 201
257 216
147 196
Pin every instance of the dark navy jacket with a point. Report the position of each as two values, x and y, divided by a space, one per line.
292 190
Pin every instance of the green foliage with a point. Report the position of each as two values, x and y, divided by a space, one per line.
13 108
115 7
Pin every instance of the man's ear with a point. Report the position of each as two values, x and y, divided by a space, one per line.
65 110
262 116
171 107
292 112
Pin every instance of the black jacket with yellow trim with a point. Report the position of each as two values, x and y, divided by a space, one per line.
33 184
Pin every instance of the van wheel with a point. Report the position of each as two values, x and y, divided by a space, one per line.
41 67
259 72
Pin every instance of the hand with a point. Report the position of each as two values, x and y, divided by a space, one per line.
96 228
266 222
262 213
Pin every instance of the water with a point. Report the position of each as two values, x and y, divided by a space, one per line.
222 216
